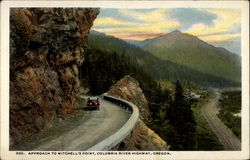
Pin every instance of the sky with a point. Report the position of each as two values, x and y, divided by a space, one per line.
220 27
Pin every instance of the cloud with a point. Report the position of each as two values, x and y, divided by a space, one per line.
211 25
190 16
138 36
113 23
146 10
145 21
116 14
156 28
227 20
220 37
146 16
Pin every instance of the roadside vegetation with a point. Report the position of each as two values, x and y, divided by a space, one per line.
231 105
207 140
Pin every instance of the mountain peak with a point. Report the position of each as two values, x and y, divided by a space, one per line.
96 32
176 32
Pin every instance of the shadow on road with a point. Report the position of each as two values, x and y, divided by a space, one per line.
85 109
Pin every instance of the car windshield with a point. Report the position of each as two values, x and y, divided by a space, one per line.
93 98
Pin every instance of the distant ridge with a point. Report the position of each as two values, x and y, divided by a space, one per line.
164 69
186 49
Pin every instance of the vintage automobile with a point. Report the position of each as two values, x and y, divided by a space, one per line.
93 103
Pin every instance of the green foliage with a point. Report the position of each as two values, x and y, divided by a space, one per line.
159 102
174 120
231 103
232 122
182 120
206 139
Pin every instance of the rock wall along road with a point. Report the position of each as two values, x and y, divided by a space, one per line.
46 48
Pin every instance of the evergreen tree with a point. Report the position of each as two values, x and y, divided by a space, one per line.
182 121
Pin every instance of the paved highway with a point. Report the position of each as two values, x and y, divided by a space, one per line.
225 135
94 127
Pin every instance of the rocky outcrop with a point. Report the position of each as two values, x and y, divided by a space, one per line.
142 137
129 89
46 48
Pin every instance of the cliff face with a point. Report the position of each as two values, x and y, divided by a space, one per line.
46 48
142 138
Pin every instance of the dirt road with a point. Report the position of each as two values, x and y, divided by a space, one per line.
94 127
225 135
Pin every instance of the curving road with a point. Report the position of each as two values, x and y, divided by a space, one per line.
94 127
225 135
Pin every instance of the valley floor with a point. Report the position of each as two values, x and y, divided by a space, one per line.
225 135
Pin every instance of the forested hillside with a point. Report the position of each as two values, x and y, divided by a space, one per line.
188 50
155 66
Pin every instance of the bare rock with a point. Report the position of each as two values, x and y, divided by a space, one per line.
46 48
144 139
129 89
